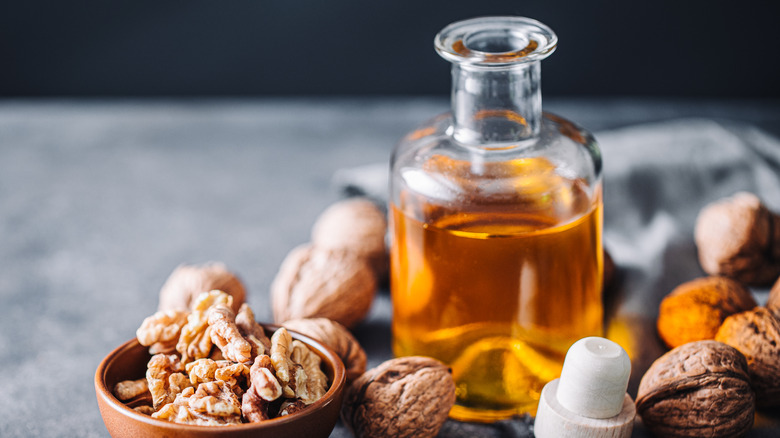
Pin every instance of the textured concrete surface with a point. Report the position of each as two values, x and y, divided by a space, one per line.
100 200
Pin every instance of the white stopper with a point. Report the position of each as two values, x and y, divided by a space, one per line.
594 378
589 400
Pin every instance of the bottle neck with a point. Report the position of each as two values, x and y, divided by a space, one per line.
496 105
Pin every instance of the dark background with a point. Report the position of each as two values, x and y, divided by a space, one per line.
349 47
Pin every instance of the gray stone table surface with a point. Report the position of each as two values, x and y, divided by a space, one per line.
101 199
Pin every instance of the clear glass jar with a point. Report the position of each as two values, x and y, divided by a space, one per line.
496 225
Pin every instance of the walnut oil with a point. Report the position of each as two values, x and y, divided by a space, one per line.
496 222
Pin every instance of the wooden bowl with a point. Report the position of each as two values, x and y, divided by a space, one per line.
129 361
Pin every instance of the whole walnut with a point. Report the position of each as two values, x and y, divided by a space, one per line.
314 282
335 336
186 282
756 334
694 310
740 238
698 389
407 397
356 225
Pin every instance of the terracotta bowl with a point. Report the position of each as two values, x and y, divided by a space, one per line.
129 361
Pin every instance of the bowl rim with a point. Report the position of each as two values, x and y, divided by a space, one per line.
325 352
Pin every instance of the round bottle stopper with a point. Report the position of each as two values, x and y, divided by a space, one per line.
590 399
594 378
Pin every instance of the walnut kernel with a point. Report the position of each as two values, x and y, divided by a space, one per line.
291 375
252 331
215 398
195 339
165 379
264 382
161 331
316 383
129 389
232 373
201 370
225 334
181 411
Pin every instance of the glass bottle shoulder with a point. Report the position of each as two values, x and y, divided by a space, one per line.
430 164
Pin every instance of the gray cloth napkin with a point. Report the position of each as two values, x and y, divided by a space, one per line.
657 177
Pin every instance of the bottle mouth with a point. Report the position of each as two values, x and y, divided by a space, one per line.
495 41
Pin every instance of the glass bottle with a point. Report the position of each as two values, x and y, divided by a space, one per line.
496 225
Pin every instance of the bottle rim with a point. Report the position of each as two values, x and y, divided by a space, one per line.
494 42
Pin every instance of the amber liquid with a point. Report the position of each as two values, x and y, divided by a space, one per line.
499 292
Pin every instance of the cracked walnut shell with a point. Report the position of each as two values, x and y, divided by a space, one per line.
740 238
314 282
335 336
187 282
756 334
698 389
694 310
401 398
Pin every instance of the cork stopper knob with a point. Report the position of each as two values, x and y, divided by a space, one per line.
594 378
589 400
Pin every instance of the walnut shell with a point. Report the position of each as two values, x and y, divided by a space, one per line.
694 310
740 238
356 225
403 397
698 389
314 282
186 282
335 336
756 334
